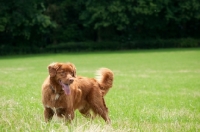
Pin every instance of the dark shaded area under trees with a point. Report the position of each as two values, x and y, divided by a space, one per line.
33 26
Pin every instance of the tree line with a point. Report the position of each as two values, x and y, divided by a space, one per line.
39 23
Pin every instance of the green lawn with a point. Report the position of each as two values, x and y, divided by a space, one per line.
154 90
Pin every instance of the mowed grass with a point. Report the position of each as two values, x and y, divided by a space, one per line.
155 90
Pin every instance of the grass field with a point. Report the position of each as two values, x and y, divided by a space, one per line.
155 90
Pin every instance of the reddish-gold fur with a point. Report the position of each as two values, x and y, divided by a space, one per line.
86 93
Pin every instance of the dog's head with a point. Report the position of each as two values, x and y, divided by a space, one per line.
63 73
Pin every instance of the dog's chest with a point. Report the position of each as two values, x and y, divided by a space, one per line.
54 101
56 97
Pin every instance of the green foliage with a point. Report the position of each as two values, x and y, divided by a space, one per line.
21 18
41 23
3 22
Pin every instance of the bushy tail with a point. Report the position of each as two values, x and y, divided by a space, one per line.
104 77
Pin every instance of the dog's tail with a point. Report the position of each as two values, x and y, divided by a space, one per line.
104 77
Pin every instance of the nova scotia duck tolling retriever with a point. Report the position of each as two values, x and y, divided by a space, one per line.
63 92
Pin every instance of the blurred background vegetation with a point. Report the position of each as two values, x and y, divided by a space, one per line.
37 26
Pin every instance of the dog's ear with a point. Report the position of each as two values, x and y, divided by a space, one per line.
73 68
53 67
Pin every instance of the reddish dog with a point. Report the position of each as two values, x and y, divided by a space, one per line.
63 92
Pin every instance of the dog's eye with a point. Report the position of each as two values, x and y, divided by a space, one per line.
61 73
64 73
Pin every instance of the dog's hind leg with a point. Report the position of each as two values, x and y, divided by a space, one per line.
102 111
48 114
86 111
98 106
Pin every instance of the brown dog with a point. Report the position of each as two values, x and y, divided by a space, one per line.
63 92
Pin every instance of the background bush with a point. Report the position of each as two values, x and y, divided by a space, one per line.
96 46
36 26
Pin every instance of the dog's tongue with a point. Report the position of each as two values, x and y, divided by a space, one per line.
65 88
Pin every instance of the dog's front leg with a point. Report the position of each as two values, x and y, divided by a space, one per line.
69 115
48 114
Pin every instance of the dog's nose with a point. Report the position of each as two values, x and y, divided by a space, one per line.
71 80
